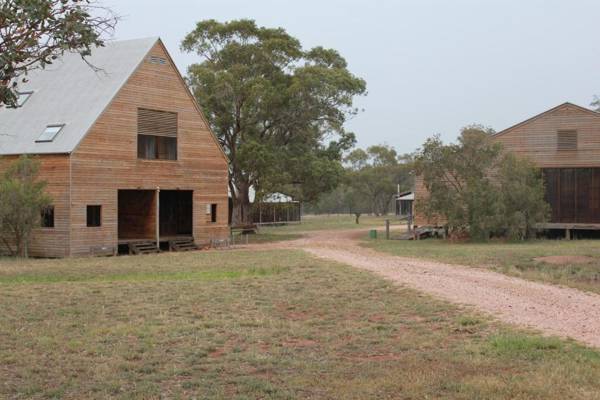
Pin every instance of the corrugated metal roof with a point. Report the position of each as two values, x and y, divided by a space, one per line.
407 196
72 93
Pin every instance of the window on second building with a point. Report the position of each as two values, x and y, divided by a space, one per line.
566 140
157 135
94 216
48 217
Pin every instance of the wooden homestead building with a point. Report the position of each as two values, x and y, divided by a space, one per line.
124 148
565 143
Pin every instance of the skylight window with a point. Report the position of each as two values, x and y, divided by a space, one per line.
22 97
50 133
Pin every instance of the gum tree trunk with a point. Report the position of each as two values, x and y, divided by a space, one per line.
241 206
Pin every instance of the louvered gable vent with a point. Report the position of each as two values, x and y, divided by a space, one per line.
157 60
567 140
157 123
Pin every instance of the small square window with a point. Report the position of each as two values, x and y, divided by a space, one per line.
94 216
213 213
50 133
48 217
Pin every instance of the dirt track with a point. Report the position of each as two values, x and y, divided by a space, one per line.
551 309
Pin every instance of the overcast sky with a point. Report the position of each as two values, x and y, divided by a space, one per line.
431 66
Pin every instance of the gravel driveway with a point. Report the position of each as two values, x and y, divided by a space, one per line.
551 309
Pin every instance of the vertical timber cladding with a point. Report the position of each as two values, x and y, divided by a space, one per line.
107 158
573 194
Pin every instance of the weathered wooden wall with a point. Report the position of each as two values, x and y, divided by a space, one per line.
421 195
51 242
537 138
106 159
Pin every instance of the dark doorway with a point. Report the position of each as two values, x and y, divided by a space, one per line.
137 214
573 194
176 213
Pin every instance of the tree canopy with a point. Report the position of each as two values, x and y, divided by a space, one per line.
278 110
595 104
478 189
34 33
375 174
372 177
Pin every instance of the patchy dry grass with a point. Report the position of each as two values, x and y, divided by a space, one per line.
270 325
268 234
264 235
515 259
330 222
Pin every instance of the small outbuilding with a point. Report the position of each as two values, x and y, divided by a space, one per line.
276 209
404 204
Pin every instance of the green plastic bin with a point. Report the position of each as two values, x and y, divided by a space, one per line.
373 234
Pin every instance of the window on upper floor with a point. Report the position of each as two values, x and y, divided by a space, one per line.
566 140
157 135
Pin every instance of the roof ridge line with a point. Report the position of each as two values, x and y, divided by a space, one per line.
531 119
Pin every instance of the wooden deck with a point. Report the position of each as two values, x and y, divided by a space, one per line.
571 226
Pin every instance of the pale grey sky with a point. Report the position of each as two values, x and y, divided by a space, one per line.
431 66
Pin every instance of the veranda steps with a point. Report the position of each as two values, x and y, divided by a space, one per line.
183 245
147 247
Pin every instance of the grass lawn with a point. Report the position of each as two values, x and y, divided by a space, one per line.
331 222
268 325
516 259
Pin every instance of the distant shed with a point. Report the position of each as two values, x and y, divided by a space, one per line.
404 204
276 208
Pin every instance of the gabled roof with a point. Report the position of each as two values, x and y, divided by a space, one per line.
564 105
72 93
